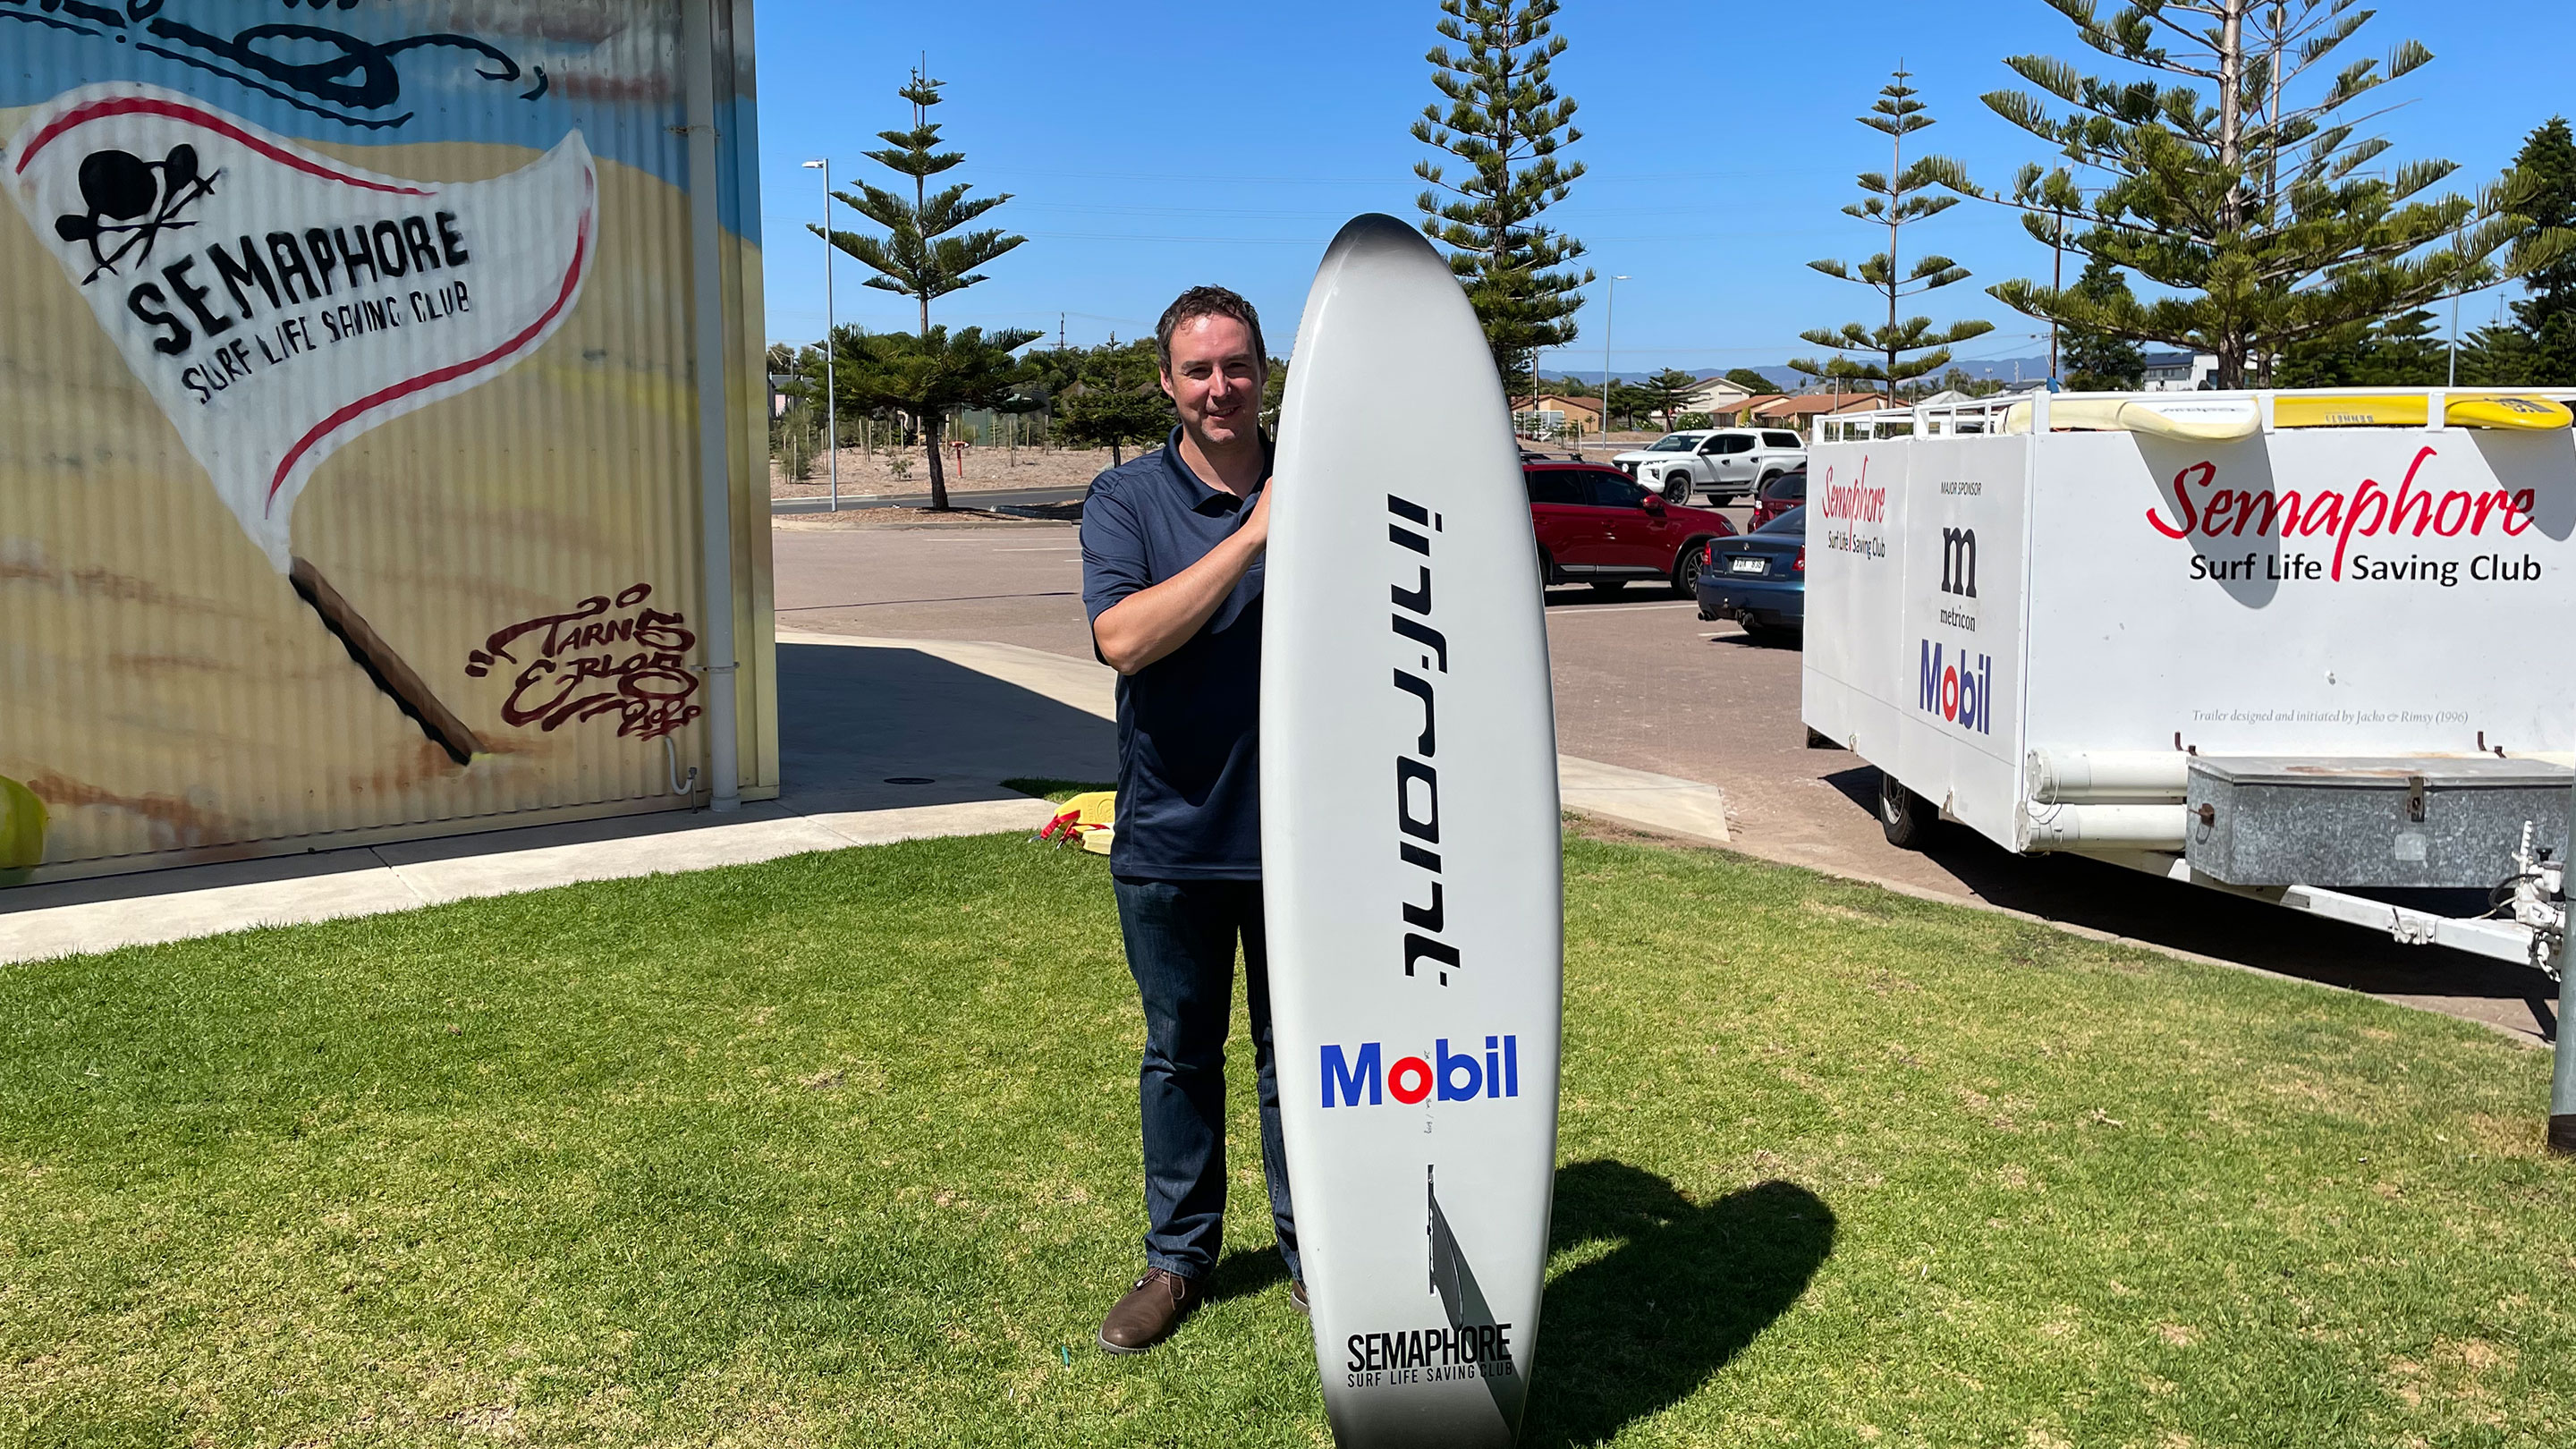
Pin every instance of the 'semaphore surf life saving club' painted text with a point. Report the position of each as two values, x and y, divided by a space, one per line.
278 303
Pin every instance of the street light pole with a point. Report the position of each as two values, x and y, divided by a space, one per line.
2057 283
2456 238
831 399
1609 315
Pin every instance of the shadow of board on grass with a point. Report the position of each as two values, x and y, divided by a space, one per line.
1639 1329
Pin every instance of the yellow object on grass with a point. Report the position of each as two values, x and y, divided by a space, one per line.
1100 807
1090 818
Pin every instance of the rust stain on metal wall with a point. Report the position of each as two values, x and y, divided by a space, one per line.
327 370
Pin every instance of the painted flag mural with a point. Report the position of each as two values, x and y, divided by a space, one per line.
350 360
277 303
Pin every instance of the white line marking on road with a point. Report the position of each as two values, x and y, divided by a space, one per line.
1057 548
1623 609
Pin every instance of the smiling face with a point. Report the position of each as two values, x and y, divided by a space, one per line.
1215 379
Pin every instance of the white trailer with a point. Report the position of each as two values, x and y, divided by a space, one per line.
2295 666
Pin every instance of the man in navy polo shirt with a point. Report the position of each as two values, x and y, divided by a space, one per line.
1171 576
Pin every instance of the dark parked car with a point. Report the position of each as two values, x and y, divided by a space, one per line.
1760 579
1778 496
1598 526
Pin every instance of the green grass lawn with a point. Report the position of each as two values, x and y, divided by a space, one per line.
842 1149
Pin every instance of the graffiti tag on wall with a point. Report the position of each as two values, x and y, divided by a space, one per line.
604 657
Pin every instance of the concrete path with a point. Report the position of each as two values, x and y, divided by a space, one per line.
1661 803
881 740
131 910
854 722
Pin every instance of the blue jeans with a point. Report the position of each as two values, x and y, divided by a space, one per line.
1180 947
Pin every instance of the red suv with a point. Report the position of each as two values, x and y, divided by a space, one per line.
1598 526
1779 495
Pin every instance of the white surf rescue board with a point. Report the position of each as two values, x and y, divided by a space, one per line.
2184 419
1410 852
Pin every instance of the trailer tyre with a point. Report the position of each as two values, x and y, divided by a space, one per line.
1907 818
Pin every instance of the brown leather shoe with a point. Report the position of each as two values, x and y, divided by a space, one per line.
1149 1312
1297 1295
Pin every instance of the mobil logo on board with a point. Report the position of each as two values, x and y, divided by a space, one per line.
1363 1077
1957 688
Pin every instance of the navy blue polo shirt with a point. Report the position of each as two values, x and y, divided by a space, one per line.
1189 746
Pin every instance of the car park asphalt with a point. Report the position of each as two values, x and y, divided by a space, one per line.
1641 681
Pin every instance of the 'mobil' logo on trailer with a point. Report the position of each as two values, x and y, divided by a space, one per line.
1417 780
1958 689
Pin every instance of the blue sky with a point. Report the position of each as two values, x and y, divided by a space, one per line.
1152 145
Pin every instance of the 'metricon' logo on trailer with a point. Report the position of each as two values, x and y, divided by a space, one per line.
1456 1076
1957 689
1417 783
1959 562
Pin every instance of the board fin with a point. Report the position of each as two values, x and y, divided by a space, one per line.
1454 1280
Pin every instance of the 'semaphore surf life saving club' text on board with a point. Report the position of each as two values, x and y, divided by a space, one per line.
278 303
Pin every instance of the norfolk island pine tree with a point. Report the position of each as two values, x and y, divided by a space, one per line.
1505 120
2270 220
928 373
1895 200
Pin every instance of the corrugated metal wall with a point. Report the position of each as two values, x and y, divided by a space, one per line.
263 592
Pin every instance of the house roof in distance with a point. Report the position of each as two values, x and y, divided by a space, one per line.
1576 401
1813 404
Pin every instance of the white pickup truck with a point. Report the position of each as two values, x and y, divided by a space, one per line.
1724 463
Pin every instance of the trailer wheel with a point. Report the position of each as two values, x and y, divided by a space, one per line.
1907 818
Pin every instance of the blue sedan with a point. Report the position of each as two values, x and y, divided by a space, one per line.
1759 579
